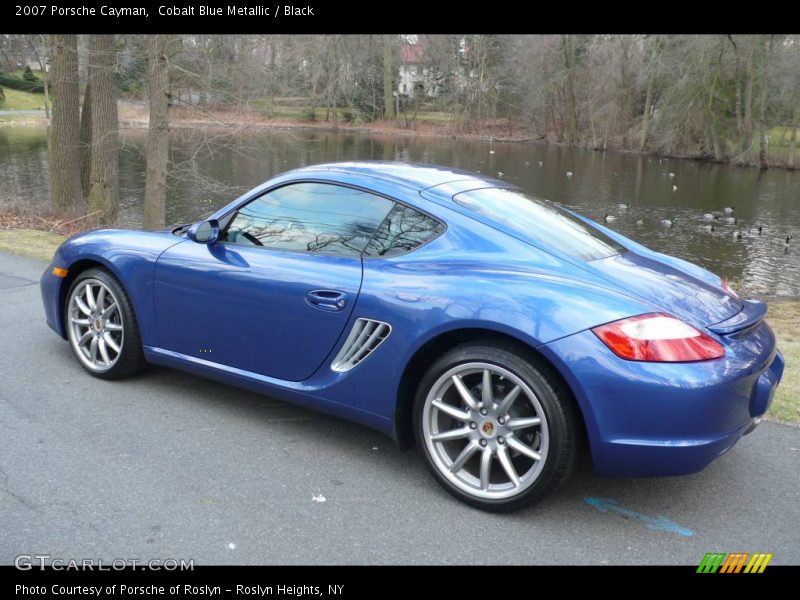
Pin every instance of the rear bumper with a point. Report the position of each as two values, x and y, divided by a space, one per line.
659 419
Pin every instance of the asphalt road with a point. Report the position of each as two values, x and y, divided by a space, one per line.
167 465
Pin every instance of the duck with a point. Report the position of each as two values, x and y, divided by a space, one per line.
711 227
624 205
731 220
728 209
760 227
541 163
610 218
640 222
708 216
491 151
499 173
737 234
669 222
672 174
674 188
570 173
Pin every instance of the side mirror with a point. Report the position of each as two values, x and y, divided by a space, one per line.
204 232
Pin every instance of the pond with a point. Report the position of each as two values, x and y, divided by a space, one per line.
213 167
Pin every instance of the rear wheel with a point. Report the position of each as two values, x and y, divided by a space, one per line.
101 326
496 429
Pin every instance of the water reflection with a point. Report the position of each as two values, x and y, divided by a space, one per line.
212 168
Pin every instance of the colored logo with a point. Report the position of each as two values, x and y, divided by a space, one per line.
735 562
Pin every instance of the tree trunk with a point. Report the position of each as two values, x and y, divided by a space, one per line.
737 104
762 112
568 44
155 191
388 78
648 96
43 69
86 139
712 118
104 171
748 99
65 181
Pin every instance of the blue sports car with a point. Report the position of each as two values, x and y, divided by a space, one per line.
499 332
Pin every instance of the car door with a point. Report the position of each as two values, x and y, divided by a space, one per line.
274 293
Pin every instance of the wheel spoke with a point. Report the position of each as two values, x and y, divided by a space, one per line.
465 455
110 309
486 389
466 396
85 338
522 448
505 405
101 343
84 322
502 454
101 298
449 409
486 467
82 306
111 343
90 296
113 327
523 423
453 434
93 350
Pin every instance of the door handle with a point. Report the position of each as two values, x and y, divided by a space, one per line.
327 299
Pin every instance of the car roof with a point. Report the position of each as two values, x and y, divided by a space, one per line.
419 176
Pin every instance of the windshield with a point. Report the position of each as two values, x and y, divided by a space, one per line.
540 221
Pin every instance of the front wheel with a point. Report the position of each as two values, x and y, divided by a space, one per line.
101 326
496 429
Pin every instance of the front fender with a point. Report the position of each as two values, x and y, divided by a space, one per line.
129 255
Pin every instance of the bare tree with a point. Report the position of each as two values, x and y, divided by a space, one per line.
155 192
104 173
65 183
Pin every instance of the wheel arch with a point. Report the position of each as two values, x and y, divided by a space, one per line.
426 354
75 269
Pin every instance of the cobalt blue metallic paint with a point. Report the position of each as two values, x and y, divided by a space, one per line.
247 315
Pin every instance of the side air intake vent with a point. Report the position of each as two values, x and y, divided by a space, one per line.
365 336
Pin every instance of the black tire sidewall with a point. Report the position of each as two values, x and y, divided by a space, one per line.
558 411
131 359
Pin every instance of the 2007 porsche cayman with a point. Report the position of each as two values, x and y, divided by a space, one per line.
495 330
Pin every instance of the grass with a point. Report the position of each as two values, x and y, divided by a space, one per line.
17 100
783 317
30 242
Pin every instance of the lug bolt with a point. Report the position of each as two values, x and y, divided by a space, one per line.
473 425
484 412
483 443
501 440
501 420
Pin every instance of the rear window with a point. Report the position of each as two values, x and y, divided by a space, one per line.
540 221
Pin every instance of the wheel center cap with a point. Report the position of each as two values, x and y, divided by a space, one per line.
98 324
488 428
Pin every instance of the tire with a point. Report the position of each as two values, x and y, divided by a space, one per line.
533 432
101 326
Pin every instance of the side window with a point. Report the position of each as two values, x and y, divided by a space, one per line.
309 217
403 230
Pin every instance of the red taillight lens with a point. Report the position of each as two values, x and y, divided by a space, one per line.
658 337
726 287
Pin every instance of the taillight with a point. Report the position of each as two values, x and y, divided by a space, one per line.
726 287
658 337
